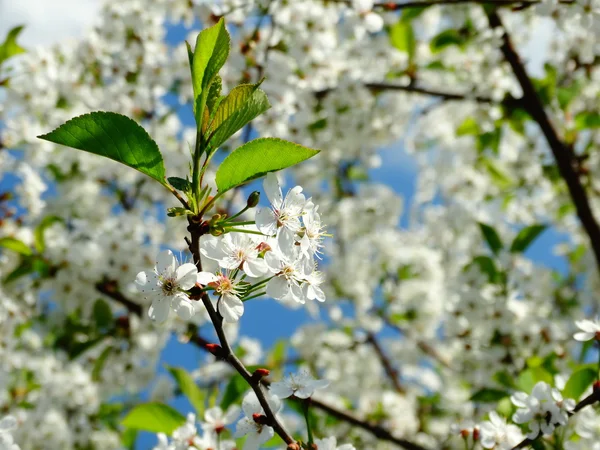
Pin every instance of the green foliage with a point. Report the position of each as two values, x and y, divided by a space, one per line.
579 382
244 103
38 233
525 238
447 38
528 378
180 184
210 53
491 237
189 388
402 37
15 245
153 417
99 364
236 387
114 136
258 157
587 119
102 314
9 47
488 395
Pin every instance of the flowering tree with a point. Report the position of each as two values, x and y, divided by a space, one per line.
444 333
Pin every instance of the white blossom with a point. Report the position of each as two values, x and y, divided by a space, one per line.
301 385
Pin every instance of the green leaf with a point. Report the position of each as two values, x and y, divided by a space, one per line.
99 364
38 233
154 417
236 387
497 173
102 314
210 53
526 237
255 158
243 104
579 382
468 127
445 39
586 119
485 265
9 47
24 268
411 13
114 136
402 37
528 378
488 395
214 93
491 237
15 245
189 388
128 438
180 184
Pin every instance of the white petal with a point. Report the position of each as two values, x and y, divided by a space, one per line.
278 287
8 423
213 415
184 309
373 22
231 308
266 221
251 405
273 261
255 267
159 310
285 239
584 336
244 426
145 281
587 325
166 263
206 277
232 413
272 189
186 275
281 389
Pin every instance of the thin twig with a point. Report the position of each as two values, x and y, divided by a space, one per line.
110 288
391 372
563 155
397 6
227 352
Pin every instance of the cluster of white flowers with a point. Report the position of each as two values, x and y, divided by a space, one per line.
543 410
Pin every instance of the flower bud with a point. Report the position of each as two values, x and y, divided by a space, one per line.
253 199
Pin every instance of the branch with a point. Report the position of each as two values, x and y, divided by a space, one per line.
594 397
519 4
226 352
444 95
375 430
563 155
391 372
110 288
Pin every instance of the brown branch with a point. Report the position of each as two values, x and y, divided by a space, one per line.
393 6
375 430
110 288
594 397
391 372
563 155
411 88
227 353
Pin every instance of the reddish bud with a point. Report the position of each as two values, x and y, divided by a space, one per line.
293 446
262 372
261 419
464 433
263 247
596 386
215 349
220 429
476 434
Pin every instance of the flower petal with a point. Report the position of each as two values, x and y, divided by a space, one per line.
186 275
231 308
278 287
159 310
206 277
166 263
273 190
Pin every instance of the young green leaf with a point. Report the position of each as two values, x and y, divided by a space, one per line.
154 417
579 382
210 53
243 104
236 387
9 47
526 237
38 233
15 245
402 37
488 395
491 237
255 158
114 136
180 184
189 388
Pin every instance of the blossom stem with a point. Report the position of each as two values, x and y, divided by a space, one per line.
307 419
241 230
249 222
260 294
